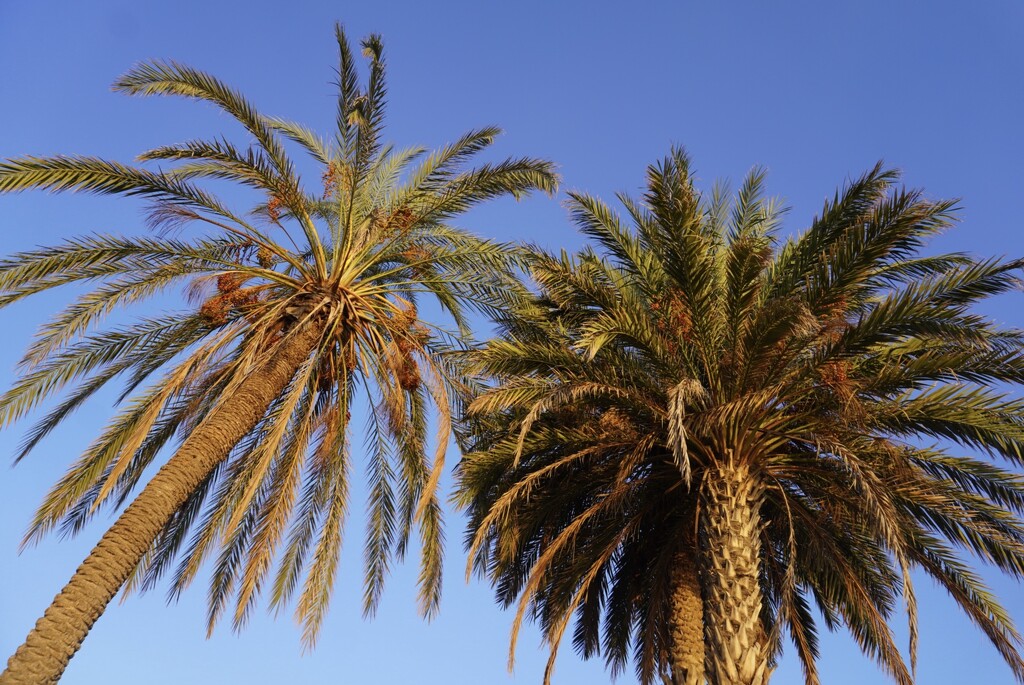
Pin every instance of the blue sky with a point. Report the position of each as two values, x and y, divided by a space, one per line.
816 92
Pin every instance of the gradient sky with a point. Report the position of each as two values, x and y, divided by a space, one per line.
816 92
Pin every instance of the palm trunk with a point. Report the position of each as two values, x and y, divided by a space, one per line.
737 644
60 632
686 622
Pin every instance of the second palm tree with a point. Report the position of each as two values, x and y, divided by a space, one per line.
697 400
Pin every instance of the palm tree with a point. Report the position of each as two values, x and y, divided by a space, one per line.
300 308
696 410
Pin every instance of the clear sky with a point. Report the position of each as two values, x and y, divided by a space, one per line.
815 91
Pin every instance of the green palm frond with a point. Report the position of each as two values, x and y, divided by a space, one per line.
170 78
316 146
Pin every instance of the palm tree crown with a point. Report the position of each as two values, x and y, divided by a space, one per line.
696 434
314 289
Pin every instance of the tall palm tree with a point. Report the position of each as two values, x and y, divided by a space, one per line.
301 307
695 408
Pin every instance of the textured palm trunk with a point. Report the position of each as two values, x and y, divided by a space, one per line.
736 641
686 623
59 633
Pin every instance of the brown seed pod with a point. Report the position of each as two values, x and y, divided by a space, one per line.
336 177
330 179
350 359
835 375
673 315
264 257
414 254
215 310
616 424
274 208
408 374
227 283
679 317
327 373
402 219
833 322
242 297
405 316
